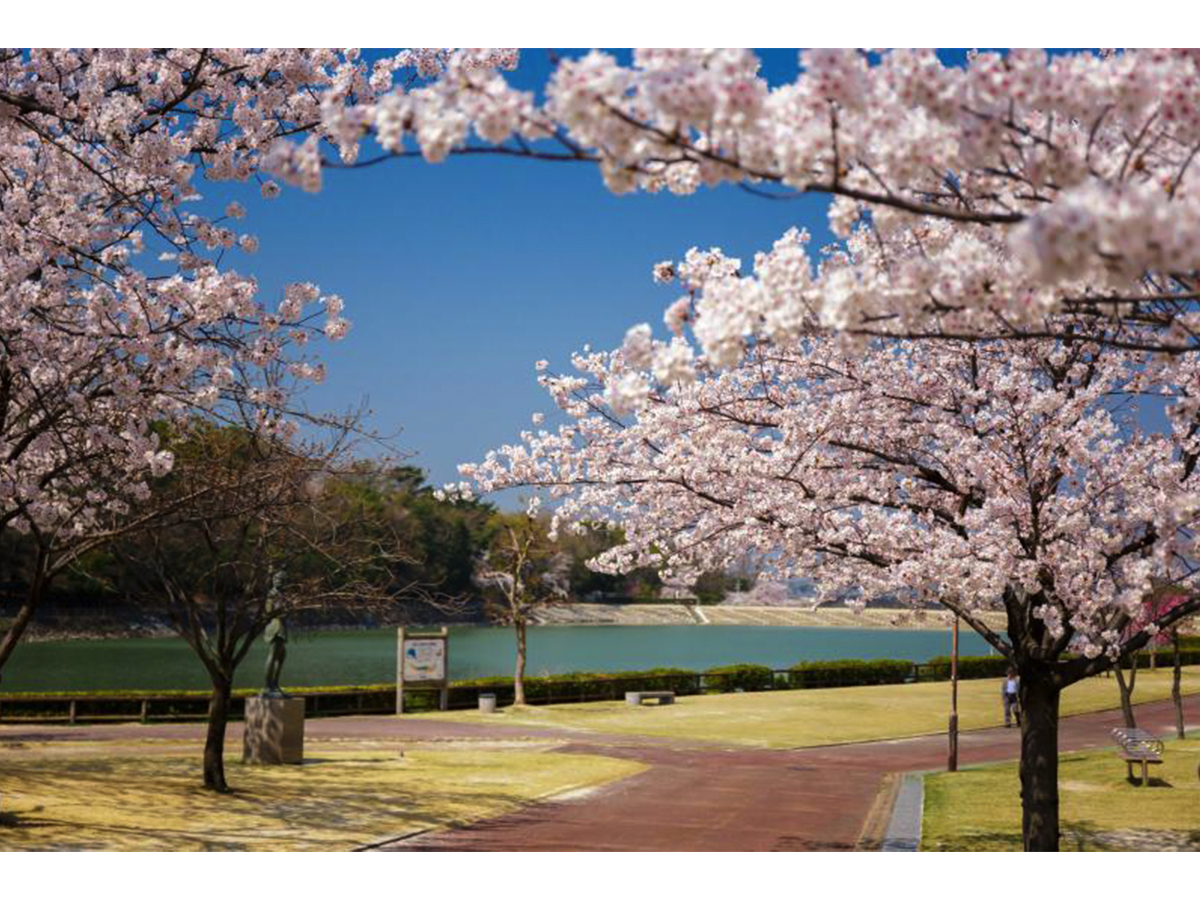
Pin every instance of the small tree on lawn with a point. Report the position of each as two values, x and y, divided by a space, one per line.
521 573
271 536
1161 602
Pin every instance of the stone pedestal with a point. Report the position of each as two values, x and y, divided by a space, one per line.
274 731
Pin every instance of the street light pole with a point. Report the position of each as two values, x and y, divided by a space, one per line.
952 763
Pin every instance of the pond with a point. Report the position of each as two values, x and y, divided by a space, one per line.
369 657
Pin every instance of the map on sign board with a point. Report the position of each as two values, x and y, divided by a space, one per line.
425 659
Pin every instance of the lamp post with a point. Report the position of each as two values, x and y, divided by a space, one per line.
952 762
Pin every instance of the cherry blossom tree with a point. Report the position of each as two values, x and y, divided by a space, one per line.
119 306
763 593
993 475
1161 602
521 573
870 413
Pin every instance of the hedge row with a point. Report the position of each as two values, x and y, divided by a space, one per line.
192 705
938 668
568 686
849 672
739 677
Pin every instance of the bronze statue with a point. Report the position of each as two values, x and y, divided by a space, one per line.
276 636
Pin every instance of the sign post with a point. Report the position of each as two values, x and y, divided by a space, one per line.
423 660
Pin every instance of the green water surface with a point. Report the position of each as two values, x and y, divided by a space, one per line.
369 657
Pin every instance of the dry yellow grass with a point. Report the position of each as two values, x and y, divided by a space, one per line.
808 718
337 800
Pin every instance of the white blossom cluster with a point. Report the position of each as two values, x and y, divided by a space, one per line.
993 475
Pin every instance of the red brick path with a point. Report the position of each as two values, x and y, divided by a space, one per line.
738 799
694 796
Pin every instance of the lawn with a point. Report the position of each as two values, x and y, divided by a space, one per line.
1100 809
808 718
337 800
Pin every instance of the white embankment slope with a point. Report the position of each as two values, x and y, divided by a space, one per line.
689 614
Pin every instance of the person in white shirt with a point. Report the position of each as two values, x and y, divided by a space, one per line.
1010 689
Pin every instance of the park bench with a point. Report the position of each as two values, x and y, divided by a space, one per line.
635 698
1138 746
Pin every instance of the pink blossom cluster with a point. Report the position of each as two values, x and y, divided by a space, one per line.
119 307
1072 175
763 593
985 475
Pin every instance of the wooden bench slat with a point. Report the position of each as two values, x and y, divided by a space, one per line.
1138 746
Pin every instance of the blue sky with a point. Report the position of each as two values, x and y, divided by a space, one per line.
458 277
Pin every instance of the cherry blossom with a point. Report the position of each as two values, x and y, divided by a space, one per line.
1067 179
981 476
122 307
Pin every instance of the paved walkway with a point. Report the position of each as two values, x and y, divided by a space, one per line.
825 798
693 795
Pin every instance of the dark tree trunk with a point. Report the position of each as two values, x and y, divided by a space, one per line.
1039 761
1126 688
1176 692
519 676
214 744
8 642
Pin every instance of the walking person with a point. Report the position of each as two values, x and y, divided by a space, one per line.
1010 689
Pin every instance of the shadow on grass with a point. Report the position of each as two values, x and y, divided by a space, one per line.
977 842
116 805
1154 782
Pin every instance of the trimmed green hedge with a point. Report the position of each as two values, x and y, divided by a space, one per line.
164 705
739 677
1189 654
567 687
849 672
938 668
202 694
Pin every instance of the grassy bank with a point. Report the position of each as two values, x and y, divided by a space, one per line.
828 716
980 808
337 800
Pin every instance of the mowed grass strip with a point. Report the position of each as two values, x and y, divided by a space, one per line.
336 801
1100 809
810 718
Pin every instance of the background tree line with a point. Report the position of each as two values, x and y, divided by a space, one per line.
443 544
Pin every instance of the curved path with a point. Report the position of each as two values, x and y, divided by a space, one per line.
724 798
693 796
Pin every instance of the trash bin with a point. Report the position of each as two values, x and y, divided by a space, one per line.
487 703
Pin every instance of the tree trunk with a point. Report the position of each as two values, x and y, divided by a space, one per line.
1176 693
1039 761
519 677
1126 688
214 744
8 641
